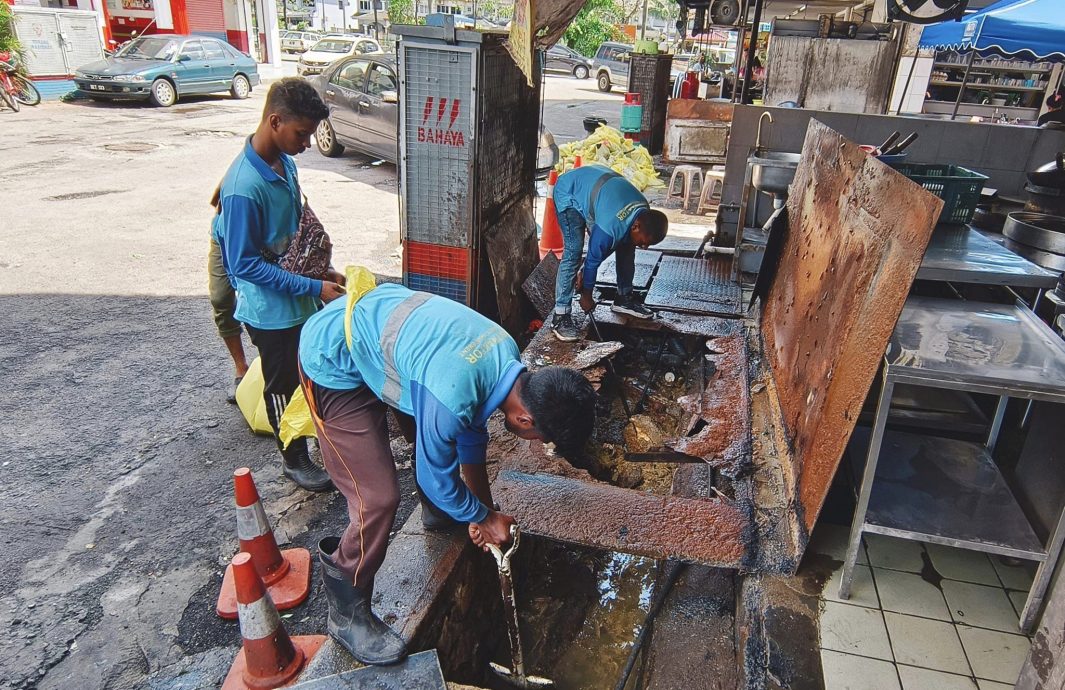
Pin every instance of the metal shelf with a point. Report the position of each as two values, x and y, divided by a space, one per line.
944 491
989 87
987 68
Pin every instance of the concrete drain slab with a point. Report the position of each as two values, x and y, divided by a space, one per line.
696 286
419 671
646 260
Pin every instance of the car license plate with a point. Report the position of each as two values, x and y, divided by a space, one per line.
96 87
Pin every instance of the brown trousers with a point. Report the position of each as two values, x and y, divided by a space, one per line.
353 436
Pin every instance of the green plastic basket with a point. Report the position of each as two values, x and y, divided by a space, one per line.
958 187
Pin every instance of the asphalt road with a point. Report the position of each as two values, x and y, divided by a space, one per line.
117 444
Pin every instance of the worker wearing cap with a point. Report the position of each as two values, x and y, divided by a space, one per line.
617 218
449 368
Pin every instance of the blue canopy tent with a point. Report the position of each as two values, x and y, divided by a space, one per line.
1025 29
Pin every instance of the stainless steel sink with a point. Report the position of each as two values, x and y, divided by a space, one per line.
773 171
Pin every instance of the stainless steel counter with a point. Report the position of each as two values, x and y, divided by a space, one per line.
965 255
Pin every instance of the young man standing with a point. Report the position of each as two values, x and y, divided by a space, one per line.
261 207
618 220
449 368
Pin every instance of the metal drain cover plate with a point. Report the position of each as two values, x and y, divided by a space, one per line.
646 260
697 286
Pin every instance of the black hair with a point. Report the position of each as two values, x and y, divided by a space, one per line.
655 224
295 97
1056 100
562 404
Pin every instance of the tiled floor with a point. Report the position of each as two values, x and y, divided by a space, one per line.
903 631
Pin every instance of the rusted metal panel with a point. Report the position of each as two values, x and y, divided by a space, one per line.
608 517
857 231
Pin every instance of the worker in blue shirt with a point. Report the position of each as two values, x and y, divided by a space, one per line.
259 209
449 368
617 218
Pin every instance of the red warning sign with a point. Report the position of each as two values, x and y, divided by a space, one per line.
439 134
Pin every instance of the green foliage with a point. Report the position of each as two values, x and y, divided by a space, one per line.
595 23
401 11
8 41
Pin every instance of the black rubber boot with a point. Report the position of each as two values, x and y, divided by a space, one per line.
351 621
298 466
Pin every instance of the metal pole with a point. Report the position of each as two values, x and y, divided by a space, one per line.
748 68
376 26
643 22
964 81
906 88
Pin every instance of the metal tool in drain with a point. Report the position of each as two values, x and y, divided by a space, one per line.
613 372
516 675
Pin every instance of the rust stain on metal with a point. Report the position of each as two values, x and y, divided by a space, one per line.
857 233
596 514
724 407
686 324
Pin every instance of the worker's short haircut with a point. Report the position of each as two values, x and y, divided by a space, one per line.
562 404
294 97
655 224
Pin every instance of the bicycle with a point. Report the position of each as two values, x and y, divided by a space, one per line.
15 89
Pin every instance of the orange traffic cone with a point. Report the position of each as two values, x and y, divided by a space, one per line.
286 573
551 236
269 657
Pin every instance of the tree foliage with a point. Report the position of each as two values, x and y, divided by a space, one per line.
8 41
401 11
596 22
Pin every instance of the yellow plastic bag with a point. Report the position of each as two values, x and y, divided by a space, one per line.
250 399
296 421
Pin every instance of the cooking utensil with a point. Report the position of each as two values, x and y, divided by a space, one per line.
515 675
1050 175
892 138
901 146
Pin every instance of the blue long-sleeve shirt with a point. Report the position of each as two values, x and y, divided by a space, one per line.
455 366
260 215
618 205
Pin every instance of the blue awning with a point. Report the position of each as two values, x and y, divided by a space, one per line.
1026 29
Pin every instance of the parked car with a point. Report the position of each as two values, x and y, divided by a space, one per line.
560 58
162 69
611 65
329 50
299 41
362 94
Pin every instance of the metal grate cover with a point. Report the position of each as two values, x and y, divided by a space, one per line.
646 260
437 146
698 286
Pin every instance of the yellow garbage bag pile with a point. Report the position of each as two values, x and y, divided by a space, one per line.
607 146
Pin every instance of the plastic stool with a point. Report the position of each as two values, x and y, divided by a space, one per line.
713 187
688 174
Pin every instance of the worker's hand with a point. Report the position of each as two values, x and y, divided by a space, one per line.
494 529
587 301
330 291
579 281
336 276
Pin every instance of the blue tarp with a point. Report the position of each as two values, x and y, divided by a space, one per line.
1027 29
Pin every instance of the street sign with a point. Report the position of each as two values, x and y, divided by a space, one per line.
520 44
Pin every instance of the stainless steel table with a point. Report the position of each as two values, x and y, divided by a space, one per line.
951 492
963 254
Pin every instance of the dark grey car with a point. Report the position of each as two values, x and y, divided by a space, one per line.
560 58
362 94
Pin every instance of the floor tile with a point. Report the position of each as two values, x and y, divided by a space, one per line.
896 554
962 564
992 685
980 606
863 593
925 679
1015 576
910 593
831 540
994 655
855 630
1018 599
849 672
926 643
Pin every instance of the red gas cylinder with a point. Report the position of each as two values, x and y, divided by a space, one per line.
690 87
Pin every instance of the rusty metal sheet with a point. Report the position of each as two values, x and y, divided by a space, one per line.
722 409
686 324
700 286
857 231
706 531
539 287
